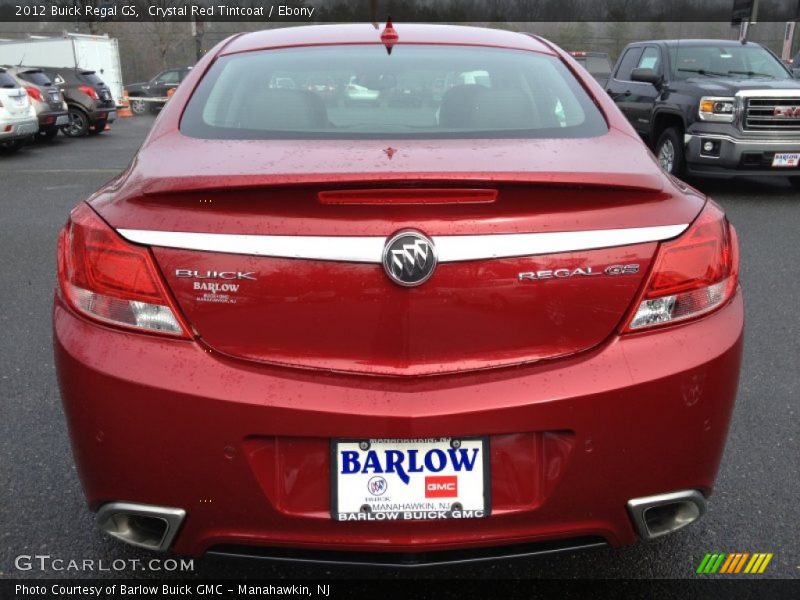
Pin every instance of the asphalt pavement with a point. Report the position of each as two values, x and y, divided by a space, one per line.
754 508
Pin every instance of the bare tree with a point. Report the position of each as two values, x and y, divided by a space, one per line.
167 34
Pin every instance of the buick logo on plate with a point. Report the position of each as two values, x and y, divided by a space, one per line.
409 258
377 486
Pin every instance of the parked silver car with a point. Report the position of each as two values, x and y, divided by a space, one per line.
18 120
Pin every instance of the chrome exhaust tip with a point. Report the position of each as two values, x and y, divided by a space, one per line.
659 515
141 525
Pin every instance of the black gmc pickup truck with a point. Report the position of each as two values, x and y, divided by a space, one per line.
713 108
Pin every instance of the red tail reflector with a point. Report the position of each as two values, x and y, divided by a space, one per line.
34 93
692 275
108 279
89 91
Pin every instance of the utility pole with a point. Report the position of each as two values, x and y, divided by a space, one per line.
745 14
198 29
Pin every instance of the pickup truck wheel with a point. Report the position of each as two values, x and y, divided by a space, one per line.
138 107
669 152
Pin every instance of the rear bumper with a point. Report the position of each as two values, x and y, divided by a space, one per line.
14 129
737 156
105 115
49 119
244 449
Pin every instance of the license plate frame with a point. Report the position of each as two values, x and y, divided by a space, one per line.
468 511
27 129
786 160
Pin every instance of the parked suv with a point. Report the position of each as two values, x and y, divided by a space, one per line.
714 108
17 116
89 100
47 100
156 88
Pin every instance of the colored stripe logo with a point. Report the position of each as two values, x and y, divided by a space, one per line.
733 563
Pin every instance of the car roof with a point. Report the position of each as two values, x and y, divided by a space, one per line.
365 33
697 42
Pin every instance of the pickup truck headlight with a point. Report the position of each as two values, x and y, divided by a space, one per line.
716 109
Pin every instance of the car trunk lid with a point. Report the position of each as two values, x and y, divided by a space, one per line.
285 267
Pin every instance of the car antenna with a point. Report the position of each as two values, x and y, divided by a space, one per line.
389 35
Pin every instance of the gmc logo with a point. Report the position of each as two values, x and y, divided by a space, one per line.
790 112
441 486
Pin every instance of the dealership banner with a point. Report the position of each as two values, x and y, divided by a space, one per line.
321 11
406 586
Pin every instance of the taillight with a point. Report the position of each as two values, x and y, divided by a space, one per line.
692 275
34 93
106 278
89 91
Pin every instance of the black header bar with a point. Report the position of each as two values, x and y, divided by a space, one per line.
328 11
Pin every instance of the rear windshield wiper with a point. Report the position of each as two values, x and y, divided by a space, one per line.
751 74
703 72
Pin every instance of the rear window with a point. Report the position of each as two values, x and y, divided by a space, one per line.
91 78
35 77
597 65
6 81
417 91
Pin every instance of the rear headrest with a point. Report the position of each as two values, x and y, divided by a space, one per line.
458 104
504 109
282 109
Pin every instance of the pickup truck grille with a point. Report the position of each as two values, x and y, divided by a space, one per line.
772 114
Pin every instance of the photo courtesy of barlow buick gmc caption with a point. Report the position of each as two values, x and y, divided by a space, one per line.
302 298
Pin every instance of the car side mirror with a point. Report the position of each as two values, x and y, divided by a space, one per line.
646 76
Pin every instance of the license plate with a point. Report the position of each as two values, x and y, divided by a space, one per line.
112 115
786 159
27 129
62 120
410 480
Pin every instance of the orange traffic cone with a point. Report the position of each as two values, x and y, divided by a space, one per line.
125 109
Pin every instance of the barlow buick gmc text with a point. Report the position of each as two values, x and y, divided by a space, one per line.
484 324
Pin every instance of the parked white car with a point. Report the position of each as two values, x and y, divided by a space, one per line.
18 120
355 93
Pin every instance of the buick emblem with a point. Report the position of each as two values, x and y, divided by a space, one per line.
409 258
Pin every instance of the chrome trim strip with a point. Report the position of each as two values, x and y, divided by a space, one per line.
767 93
688 137
449 248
